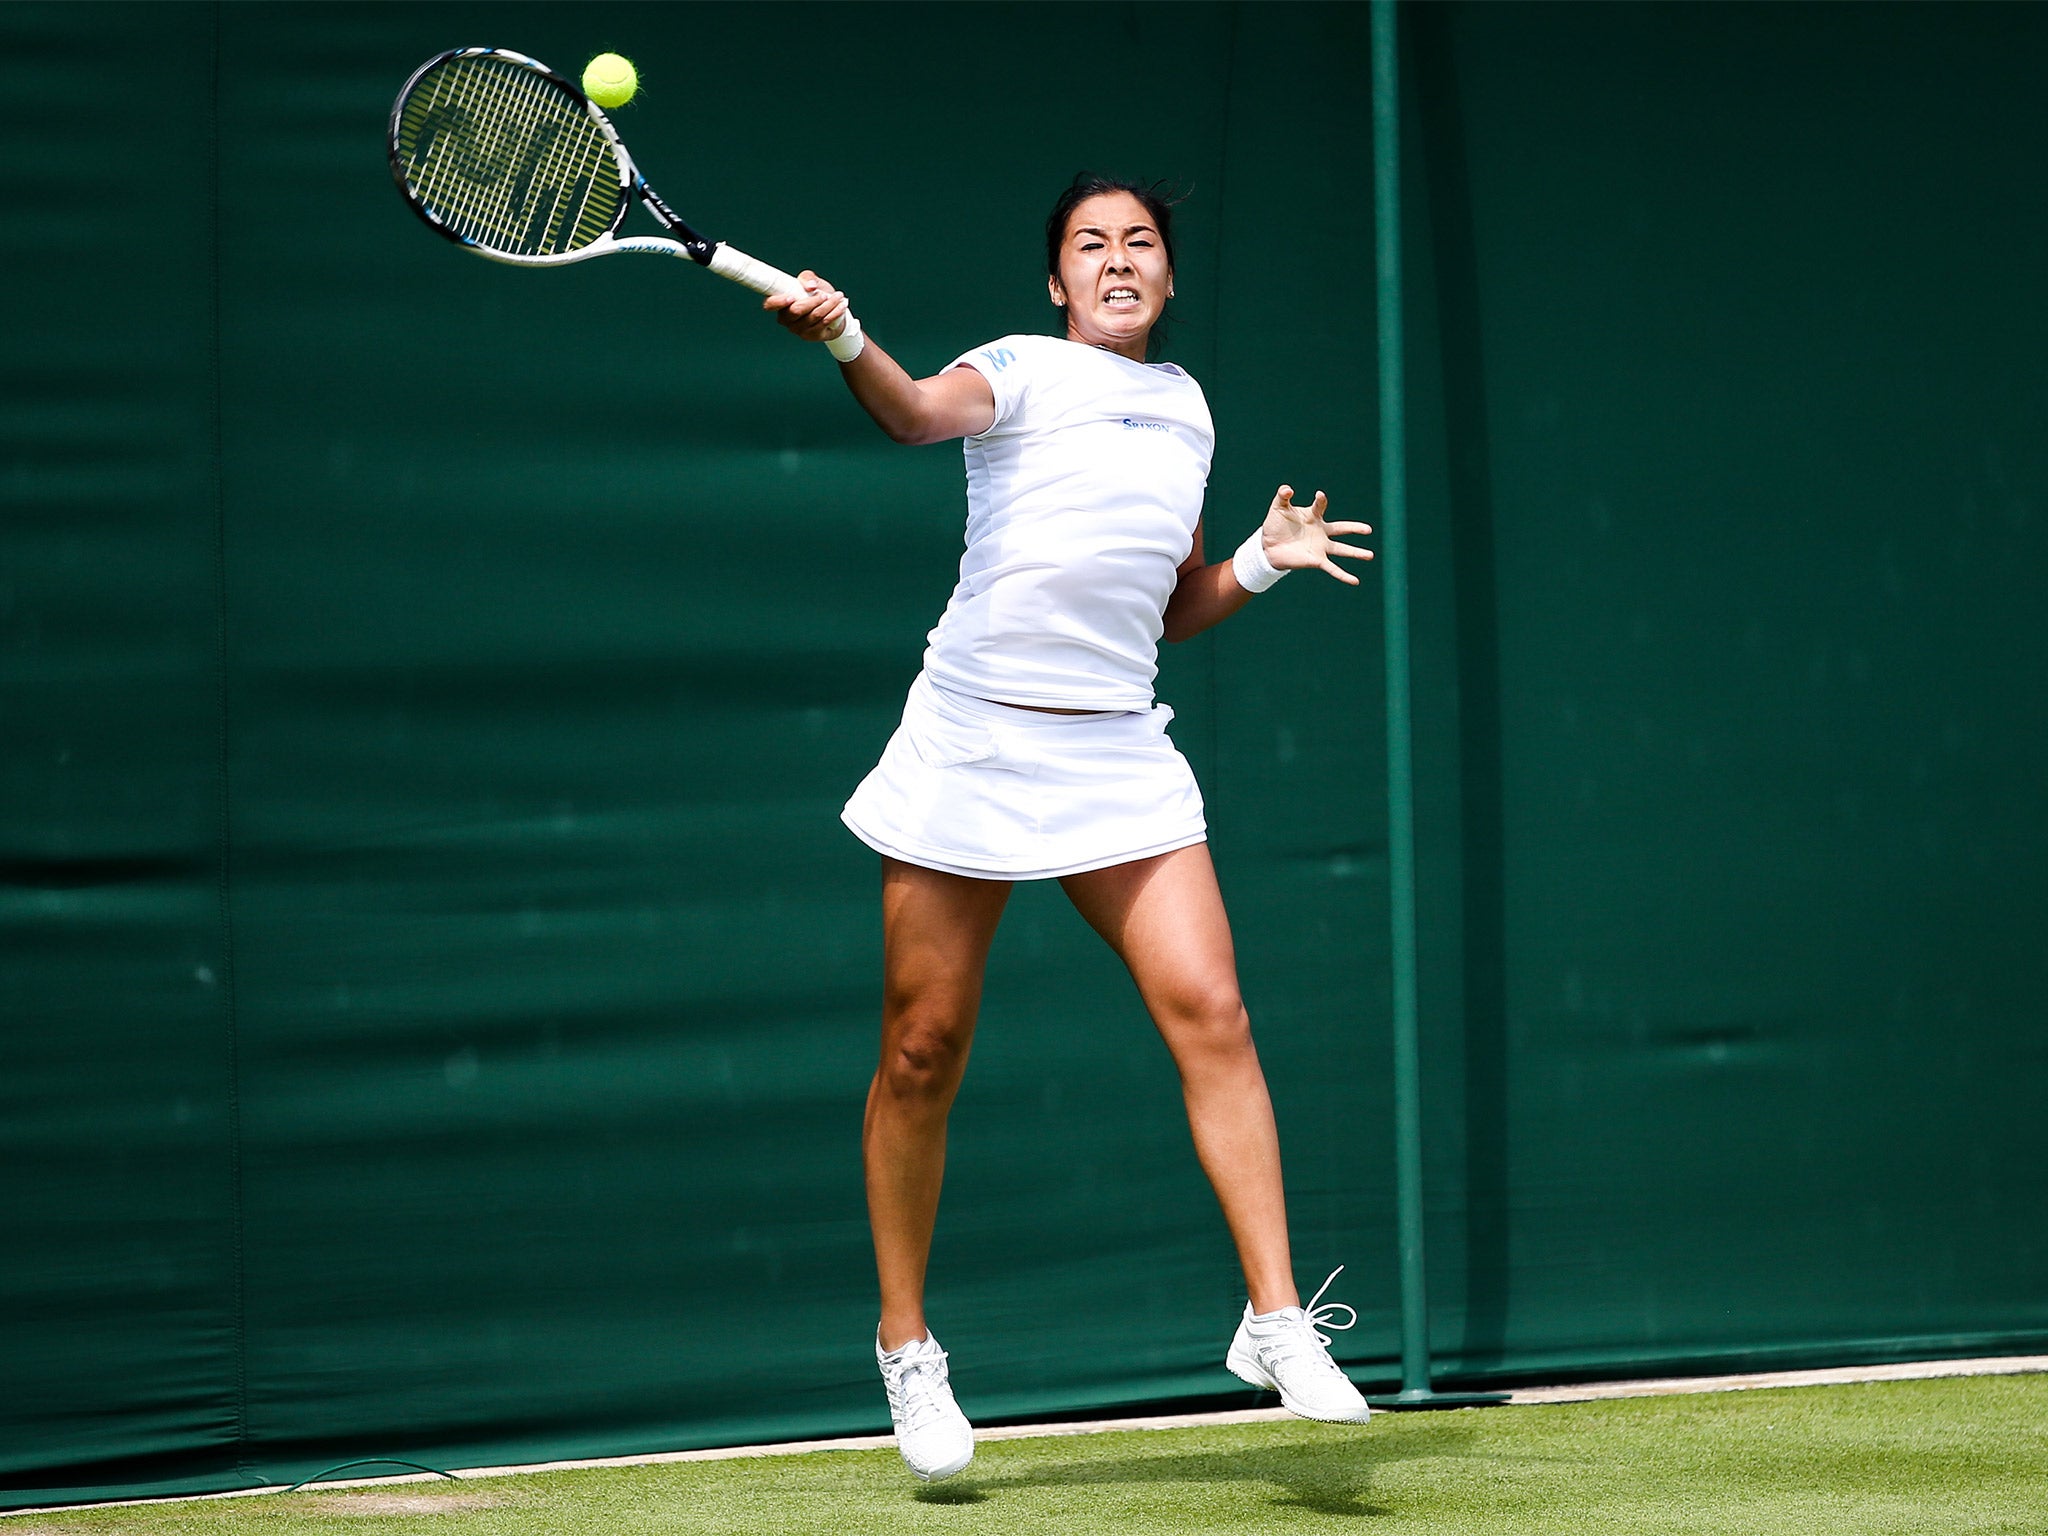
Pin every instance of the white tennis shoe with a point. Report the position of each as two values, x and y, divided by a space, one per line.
932 1433
1287 1352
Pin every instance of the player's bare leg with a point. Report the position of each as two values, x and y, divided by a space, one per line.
936 931
1164 918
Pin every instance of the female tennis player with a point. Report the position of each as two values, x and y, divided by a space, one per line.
1031 748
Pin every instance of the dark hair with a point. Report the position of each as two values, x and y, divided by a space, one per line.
1158 198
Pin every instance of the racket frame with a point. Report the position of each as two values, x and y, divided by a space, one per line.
728 263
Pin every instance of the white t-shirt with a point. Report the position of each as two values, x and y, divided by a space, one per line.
1082 500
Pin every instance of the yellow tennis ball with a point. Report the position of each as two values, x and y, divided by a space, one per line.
609 80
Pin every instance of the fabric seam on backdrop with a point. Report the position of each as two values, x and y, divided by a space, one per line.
1212 731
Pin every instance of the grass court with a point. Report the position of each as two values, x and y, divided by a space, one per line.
1905 1458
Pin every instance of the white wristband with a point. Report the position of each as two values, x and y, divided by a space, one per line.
846 346
1253 570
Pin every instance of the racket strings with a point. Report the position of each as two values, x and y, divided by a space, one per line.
506 160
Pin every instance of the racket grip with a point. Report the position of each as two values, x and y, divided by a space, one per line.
739 267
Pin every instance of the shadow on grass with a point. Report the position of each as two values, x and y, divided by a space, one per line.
1329 1475
961 1490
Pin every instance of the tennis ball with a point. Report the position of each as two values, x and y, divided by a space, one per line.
609 80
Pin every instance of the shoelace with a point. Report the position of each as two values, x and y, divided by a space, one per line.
1325 1317
1294 1344
915 1387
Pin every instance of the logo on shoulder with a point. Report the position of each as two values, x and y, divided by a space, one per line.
999 358
1131 425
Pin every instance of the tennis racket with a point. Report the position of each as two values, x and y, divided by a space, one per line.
508 159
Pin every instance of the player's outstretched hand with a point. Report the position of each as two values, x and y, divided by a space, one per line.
1297 538
816 314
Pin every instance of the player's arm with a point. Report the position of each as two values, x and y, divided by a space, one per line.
1204 595
1291 539
956 403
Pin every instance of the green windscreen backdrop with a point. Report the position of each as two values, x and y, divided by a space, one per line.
439 996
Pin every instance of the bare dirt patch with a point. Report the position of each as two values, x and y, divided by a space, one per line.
375 1501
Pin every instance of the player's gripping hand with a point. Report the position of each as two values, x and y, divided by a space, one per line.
816 314
1297 539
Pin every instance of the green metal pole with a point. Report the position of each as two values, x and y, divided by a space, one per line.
1393 521
1393 529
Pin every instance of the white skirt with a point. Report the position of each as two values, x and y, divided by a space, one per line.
1002 793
